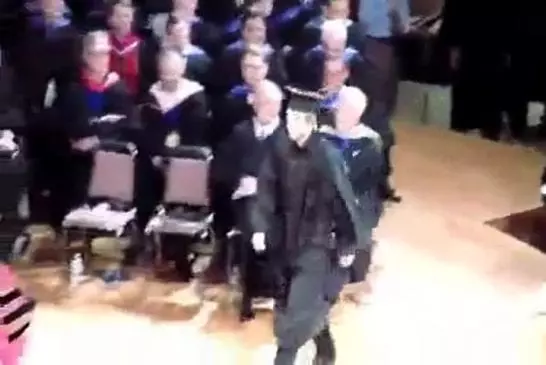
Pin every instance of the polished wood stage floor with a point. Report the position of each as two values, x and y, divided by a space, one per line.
450 289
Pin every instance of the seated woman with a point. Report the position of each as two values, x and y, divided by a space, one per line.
362 151
174 113
228 70
198 63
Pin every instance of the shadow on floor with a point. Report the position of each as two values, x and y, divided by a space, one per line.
528 226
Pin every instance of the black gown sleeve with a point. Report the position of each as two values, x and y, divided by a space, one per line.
194 126
268 195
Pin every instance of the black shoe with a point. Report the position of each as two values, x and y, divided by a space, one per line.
326 351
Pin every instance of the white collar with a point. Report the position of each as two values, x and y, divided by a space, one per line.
169 99
264 131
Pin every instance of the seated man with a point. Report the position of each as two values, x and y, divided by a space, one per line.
175 113
203 34
308 71
228 71
235 106
332 10
198 63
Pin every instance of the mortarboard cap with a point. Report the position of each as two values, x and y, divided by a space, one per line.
303 102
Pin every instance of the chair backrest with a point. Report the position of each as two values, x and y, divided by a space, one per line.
187 177
112 176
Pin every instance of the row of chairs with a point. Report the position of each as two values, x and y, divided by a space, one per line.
184 209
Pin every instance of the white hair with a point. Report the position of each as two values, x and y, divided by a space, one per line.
271 90
354 98
96 41
334 29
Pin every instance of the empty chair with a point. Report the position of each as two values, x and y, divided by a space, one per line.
184 213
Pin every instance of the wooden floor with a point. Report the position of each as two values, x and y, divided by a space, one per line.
450 289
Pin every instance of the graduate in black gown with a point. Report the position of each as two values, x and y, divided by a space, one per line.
203 33
228 70
198 62
97 107
308 71
362 151
174 112
132 57
237 164
307 218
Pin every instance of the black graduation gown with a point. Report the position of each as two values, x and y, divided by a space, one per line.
362 152
232 109
308 72
228 67
199 66
11 114
76 114
188 118
80 107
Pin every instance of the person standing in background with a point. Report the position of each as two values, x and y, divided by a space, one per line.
477 35
383 21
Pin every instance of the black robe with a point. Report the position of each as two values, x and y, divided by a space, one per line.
228 67
307 209
80 108
189 118
362 152
199 66
75 114
308 71
230 111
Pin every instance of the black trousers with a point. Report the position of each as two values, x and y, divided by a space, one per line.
477 91
313 284
380 84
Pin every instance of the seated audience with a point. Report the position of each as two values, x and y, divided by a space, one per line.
228 72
